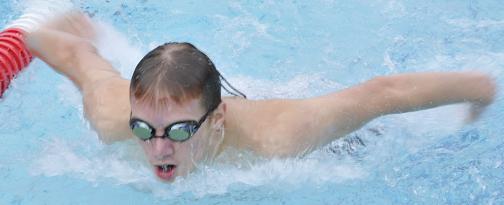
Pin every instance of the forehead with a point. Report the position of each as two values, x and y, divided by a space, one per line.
165 110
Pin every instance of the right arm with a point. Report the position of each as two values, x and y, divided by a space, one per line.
71 56
105 93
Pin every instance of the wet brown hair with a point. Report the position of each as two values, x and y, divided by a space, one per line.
177 70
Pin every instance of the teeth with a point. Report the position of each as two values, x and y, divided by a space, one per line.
165 167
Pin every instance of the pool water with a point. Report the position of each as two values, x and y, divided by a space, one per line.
288 49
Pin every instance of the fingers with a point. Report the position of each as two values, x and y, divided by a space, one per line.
474 113
82 25
76 23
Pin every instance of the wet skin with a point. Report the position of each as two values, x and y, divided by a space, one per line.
270 128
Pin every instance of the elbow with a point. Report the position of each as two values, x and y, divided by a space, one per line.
384 94
382 83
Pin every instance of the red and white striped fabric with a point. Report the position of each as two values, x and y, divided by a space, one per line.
14 56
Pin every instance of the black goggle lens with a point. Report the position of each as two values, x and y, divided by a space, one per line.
142 130
178 135
177 132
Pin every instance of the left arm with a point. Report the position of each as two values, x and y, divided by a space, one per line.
317 121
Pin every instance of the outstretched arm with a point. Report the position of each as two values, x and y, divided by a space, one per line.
406 93
337 114
412 92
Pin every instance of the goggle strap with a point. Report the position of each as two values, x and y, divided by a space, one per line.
233 88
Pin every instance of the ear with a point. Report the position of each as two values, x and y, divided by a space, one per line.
218 116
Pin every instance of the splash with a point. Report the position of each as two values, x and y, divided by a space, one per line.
91 161
123 164
38 12
117 49
300 86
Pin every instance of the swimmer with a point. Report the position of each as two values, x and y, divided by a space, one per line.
173 106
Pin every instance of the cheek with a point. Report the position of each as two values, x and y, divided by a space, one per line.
147 148
197 145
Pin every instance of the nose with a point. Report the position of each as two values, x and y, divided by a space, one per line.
162 148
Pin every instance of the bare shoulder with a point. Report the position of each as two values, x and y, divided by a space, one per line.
289 127
269 127
107 107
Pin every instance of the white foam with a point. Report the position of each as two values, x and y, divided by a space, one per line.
424 126
38 12
117 49
123 164
235 29
117 164
60 157
387 61
300 86
470 24
292 173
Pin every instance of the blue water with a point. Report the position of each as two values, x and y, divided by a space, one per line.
293 49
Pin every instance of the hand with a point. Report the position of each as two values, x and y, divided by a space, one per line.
75 23
475 112
488 91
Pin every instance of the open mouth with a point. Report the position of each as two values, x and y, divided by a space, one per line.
165 171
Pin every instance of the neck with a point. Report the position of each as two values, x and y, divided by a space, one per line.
233 139
216 143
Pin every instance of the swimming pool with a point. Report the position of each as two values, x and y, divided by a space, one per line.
272 49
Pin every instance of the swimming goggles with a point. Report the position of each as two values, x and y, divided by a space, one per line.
178 131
